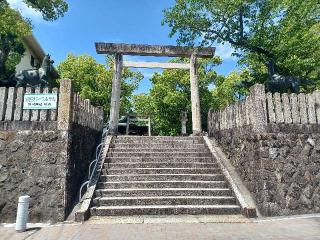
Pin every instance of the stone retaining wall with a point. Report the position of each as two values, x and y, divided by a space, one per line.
47 165
46 159
280 168
83 143
33 162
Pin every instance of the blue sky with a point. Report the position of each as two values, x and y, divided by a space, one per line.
119 21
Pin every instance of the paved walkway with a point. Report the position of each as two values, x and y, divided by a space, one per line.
302 227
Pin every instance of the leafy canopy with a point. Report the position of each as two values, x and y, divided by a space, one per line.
50 10
94 81
285 32
13 28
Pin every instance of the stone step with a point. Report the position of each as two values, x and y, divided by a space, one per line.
161 184
163 192
161 142
157 138
160 165
165 150
159 154
165 200
158 145
164 209
158 141
161 171
159 159
162 177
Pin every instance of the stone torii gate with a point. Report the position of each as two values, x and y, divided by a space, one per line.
154 50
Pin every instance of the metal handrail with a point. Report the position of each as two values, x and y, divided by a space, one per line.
99 150
89 174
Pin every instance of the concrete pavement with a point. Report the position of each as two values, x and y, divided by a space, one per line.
169 227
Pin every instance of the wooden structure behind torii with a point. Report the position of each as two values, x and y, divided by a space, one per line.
154 50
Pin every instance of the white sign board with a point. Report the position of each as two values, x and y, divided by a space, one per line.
40 101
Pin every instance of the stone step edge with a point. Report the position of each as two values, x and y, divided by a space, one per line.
136 163
168 206
172 181
157 137
120 169
156 141
207 152
156 150
163 174
157 157
152 148
159 143
169 148
163 189
165 197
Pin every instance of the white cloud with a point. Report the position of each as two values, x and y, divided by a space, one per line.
26 11
225 51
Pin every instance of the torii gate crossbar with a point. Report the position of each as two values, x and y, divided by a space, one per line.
154 50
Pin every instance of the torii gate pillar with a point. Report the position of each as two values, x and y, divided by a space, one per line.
195 99
115 94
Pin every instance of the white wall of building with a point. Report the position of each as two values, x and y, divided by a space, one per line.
25 62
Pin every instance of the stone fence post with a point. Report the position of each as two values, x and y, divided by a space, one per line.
65 108
258 109
101 117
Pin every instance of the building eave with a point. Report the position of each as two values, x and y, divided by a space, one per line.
34 46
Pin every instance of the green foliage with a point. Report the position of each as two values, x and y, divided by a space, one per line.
12 28
94 81
284 31
12 22
170 94
143 105
227 89
51 10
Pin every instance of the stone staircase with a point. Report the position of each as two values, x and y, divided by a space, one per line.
161 175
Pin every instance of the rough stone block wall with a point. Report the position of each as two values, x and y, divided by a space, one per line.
32 162
84 141
280 168
48 165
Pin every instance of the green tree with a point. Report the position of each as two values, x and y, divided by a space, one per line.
94 81
50 9
13 28
170 94
228 89
282 32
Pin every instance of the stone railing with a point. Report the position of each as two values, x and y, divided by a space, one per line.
11 105
85 114
261 109
293 108
251 111
71 108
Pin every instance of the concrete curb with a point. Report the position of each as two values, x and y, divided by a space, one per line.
243 195
83 213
